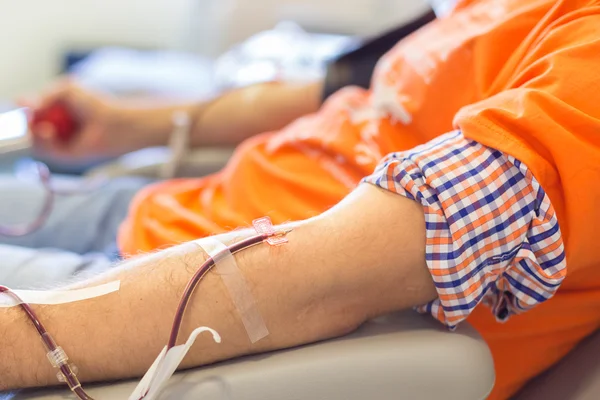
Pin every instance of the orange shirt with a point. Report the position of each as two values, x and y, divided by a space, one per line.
516 75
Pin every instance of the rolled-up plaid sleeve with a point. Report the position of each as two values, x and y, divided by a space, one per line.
492 234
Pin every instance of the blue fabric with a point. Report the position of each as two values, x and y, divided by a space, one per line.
492 233
79 236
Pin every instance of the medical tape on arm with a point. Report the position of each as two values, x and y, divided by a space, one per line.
57 297
165 365
237 287
156 378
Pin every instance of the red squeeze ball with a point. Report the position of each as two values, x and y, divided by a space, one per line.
59 116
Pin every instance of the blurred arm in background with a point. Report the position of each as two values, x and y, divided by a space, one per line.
111 127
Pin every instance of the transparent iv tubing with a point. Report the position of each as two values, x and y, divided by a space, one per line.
44 177
56 355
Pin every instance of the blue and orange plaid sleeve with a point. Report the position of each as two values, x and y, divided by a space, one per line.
492 234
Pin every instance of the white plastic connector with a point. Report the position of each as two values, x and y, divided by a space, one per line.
57 357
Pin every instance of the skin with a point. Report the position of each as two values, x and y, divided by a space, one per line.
363 258
112 127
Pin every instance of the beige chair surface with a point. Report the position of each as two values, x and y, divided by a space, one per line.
402 356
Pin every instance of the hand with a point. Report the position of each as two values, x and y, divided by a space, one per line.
101 130
109 127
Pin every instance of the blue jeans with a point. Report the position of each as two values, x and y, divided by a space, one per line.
79 237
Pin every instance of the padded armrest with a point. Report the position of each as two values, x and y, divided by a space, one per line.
401 356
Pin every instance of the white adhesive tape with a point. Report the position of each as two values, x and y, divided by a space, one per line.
57 297
237 287
165 365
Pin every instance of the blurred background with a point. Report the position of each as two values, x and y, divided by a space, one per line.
41 39
172 50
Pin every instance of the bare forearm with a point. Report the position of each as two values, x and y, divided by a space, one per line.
120 334
151 120
333 275
260 108
223 121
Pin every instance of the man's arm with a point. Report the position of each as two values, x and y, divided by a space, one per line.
363 258
110 127
259 108
227 119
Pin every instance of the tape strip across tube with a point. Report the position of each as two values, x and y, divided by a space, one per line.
237 287
58 297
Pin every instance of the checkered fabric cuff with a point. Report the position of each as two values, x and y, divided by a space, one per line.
492 234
